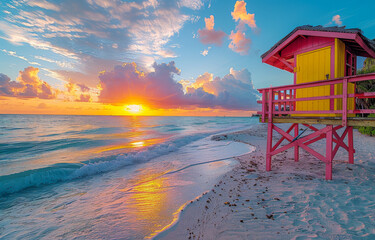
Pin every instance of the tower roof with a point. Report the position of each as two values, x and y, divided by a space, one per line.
352 37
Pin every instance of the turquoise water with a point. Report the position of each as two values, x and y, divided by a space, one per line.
70 176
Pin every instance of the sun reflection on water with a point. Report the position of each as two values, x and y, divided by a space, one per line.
149 201
134 144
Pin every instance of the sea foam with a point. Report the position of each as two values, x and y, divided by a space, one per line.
68 171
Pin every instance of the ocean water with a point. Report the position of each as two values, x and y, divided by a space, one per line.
106 177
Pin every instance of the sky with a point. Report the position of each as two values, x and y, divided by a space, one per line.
151 57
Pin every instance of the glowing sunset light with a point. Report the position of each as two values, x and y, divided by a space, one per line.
134 109
144 66
138 144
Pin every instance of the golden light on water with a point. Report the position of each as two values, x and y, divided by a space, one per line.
133 108
136 144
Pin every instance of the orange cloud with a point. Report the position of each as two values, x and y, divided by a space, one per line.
208 35
239 42
77 92
240 13
209 23
28 85
201 82
71 87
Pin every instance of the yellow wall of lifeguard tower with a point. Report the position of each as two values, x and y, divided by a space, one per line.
316 66
311 67
340 65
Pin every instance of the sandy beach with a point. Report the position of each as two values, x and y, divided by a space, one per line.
293 201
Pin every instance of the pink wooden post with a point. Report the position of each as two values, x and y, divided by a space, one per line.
350 145
345 102
270 105
296 148
269 146
269 131
329 156
285 99
332 101
264 95
294 97
278 93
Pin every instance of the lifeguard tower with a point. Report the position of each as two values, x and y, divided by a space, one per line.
323 61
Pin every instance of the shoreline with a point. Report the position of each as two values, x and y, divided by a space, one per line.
292 201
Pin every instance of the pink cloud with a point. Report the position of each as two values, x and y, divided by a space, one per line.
239 43
84 98
205 51
337 19
125 84
44 4
208 35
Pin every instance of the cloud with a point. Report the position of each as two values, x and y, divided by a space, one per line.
233 91
84 98
77 92
63 64
337 19
88 71
208 35
210 23
125 84
14 54
86 32
83 87
71 87
20 35
44 4
240 14
28 85
7 86
192 4
205 51
239 43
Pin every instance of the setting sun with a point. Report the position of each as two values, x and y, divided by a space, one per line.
133 108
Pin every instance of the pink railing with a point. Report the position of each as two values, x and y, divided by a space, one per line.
277 101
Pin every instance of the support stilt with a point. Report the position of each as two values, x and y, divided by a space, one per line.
329 153
329 133
296 148
269 147
350 145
